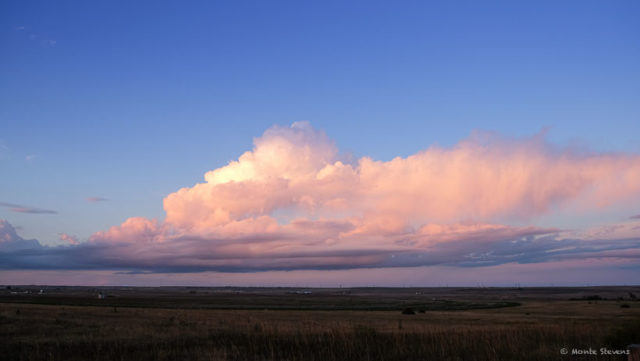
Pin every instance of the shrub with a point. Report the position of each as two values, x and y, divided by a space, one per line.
408 311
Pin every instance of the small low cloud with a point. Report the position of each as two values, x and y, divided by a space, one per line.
26 209
10 241
69 239
637 216
96 199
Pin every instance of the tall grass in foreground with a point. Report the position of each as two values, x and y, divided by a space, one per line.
50 333
540 343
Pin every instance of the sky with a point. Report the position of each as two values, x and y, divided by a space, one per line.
319 143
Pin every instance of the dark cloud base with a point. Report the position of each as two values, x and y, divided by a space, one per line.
30 255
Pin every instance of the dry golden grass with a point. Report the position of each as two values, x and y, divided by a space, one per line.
176 323
536 330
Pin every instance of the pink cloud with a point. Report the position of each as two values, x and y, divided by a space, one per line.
431 234
293 202
7 232
133 230
614 231
483 178
11 241
72 240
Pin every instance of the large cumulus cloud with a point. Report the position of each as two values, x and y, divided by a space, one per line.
297 171
294 202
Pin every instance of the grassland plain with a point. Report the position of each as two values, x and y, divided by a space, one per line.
72 323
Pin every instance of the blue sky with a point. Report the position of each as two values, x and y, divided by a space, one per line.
132 101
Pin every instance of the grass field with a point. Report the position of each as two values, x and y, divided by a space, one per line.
71 323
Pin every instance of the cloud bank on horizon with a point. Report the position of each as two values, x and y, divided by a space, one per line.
294 202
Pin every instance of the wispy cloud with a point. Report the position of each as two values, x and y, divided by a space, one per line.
44 40
26 209
96 199
637 216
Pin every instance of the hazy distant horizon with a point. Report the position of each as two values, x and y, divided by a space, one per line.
47 286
